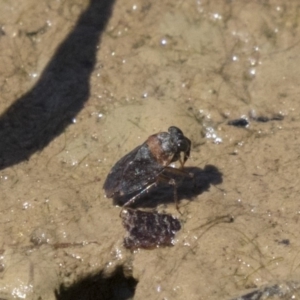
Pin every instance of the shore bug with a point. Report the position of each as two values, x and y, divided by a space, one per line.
146 165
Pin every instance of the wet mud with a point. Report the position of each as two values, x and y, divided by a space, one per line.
85 82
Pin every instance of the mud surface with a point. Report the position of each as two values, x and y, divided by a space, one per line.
192 64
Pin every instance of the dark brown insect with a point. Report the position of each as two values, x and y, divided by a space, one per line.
146 165
148 230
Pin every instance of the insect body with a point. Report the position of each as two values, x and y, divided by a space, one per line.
146 165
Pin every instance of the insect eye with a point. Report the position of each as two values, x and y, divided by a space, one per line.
183 145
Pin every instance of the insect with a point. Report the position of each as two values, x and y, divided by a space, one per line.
146 165
148 230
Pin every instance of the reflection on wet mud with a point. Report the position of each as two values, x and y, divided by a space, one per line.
187 188
44 112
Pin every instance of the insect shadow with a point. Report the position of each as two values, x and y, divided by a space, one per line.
187 188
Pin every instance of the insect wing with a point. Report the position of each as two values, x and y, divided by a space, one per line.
114 178
132 172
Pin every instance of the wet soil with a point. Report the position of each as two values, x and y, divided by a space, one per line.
69 115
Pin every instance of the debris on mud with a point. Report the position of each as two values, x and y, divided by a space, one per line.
148 230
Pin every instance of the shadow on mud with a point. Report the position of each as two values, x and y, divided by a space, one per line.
40 115
99 287
284 290
187 188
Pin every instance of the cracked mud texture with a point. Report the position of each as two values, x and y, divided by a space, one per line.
192 64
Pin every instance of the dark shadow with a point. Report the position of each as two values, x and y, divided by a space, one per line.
99 287
283 290
187 188
44 112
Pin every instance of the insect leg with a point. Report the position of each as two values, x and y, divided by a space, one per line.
172 181
133 199
145 190
178 172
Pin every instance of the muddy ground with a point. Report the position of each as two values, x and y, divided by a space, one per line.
76 97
